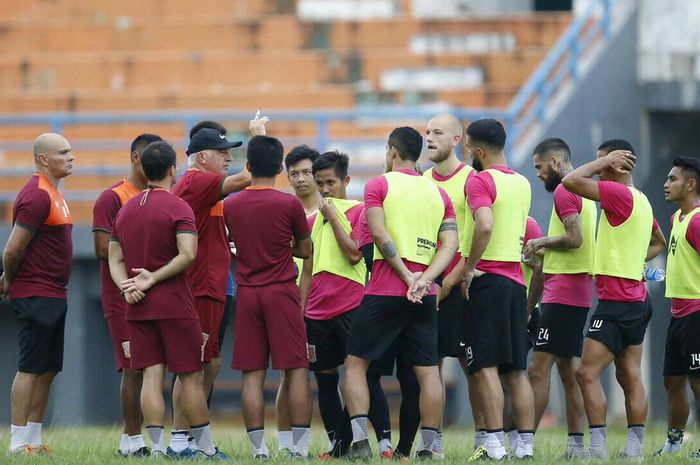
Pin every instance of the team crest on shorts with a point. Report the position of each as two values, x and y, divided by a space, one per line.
311 352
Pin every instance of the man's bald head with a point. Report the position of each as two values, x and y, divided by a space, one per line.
442 134
448 123
48 142
53 155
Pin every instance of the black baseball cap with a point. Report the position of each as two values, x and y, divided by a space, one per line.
210 139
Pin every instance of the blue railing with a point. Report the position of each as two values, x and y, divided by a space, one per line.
528 107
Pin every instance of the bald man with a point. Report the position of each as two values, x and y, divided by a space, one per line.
37 264
443 134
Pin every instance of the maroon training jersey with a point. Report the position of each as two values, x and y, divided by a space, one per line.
202 191
104 212
262 223
147 228
45 268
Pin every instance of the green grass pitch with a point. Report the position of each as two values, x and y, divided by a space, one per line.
97 445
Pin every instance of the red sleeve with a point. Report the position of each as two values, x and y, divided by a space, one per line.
311 220
481 191
184 218
205 190
33 209
655 226
375 192
300 226
449 208
532 230
692 234
105 211
356 216
617 201
566 203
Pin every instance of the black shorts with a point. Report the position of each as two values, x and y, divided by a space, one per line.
561 330
618 325
328 341
533 325
381 321
41 322
496 315
452 327
682 355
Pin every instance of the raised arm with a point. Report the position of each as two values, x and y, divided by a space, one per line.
571 239
581 182
347 244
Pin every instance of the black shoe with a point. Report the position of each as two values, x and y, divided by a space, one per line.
424 454
142 452
359 450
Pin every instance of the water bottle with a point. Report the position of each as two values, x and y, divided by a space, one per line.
654 274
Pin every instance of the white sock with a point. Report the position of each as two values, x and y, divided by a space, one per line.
34 434
286 440
124 444
202 436
384 445
494 446
437 445
300 435
512 439
18 437
136 442
156 433
359 428
178 439
480 436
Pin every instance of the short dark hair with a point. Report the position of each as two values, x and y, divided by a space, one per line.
552 146
207 124
265 156
489 132
299 153
157 158
143 140
690 167
616 144
333 159
407 141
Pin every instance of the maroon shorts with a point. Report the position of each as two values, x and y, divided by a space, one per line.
177 343
269 323
119 331
210 312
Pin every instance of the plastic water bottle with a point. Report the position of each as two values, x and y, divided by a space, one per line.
654 274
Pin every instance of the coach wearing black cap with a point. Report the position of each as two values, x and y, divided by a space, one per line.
203 187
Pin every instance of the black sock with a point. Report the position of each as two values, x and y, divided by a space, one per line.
378 409
409 413
343 435
329 402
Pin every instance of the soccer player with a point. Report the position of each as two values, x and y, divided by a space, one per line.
263 222
568 267
628 236
37 265
496 307
336 273
105 211
442 136
682 355
153 242
407 215
298 163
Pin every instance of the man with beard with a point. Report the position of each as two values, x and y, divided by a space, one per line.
568 264
442 135
494 289
682 355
